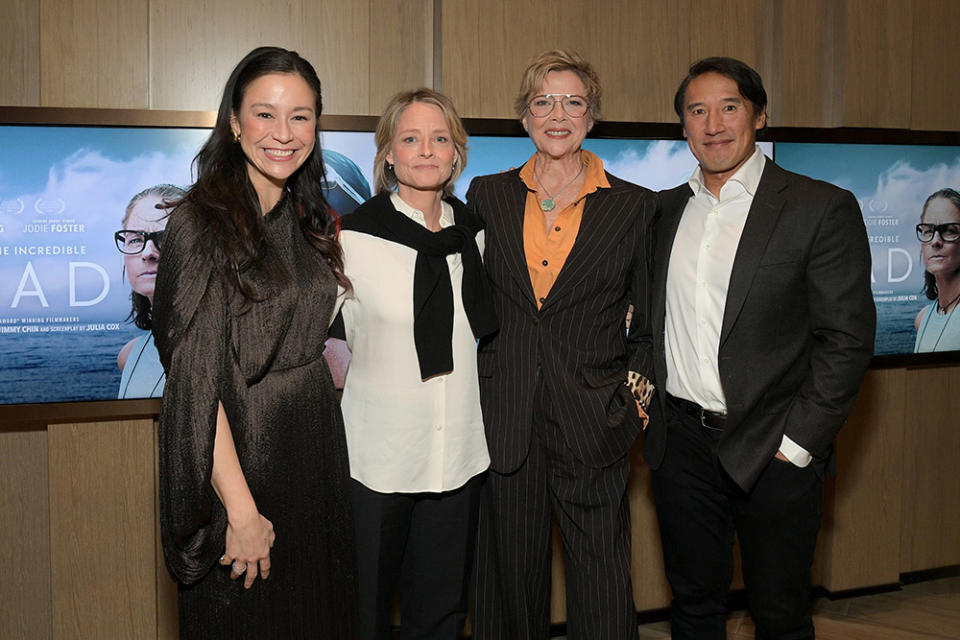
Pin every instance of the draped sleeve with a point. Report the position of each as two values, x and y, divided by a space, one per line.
191 333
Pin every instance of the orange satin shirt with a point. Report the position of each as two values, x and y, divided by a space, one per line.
547 250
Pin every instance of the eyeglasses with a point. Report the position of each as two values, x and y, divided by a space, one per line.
573 105
133 242
949 232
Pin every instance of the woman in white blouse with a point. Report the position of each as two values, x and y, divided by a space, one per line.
411 405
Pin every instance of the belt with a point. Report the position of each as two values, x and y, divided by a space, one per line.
709 419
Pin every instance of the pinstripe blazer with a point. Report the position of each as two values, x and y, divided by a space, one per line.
798 322
577 340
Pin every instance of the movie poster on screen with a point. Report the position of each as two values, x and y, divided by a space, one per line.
64 295
65 289
891 183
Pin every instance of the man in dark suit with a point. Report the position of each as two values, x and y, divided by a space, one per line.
763 325
567 247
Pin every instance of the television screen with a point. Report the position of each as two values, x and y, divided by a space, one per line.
891 182
65 288
77 203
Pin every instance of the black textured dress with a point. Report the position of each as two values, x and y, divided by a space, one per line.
263 360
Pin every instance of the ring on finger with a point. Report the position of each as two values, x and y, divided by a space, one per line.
238 568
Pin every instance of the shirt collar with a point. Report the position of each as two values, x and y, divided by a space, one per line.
446 211
595 179
747 176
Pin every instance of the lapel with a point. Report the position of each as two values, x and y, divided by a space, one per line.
761 221
514 198
672 204
592 240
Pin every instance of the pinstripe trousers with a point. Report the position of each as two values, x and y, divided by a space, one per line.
512 588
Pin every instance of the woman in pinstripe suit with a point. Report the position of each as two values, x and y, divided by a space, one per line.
567 252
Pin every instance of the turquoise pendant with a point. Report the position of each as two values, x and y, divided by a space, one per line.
548 204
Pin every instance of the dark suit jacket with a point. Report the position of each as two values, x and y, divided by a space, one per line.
798 324
576 339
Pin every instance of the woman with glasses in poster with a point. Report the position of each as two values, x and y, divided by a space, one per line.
254 496
140 241
938 324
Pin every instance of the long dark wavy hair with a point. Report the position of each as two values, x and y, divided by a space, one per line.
225 200
141 312
952 196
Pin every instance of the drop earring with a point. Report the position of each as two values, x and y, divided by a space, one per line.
236 136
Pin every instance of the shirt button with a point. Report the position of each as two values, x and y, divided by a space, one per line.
438 427
542 300
544 263
705 360
556 228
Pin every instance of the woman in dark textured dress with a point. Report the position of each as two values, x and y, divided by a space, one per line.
254 500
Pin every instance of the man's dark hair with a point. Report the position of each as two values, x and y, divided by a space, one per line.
748 82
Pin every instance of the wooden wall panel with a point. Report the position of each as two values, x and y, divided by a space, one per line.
168 623
194 46
20 52
935 92
401 49
863 503
363 50
639 67
650 588
640 50
804 91
878 63
460 38
507 37
486 47
93 53
24 536
334 39
931 515
102 530
878 40
504 51
724 28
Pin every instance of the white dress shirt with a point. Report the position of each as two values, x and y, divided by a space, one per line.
405 434
698 276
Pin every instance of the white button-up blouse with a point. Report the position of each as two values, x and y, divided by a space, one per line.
405 434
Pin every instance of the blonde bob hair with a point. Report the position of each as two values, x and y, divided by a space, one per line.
559 60
384 179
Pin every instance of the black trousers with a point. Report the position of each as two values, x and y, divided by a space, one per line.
700 508
425 542
512 595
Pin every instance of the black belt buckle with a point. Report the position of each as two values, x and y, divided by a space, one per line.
708 419
712 419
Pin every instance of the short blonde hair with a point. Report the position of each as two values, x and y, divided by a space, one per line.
384 178
559 60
